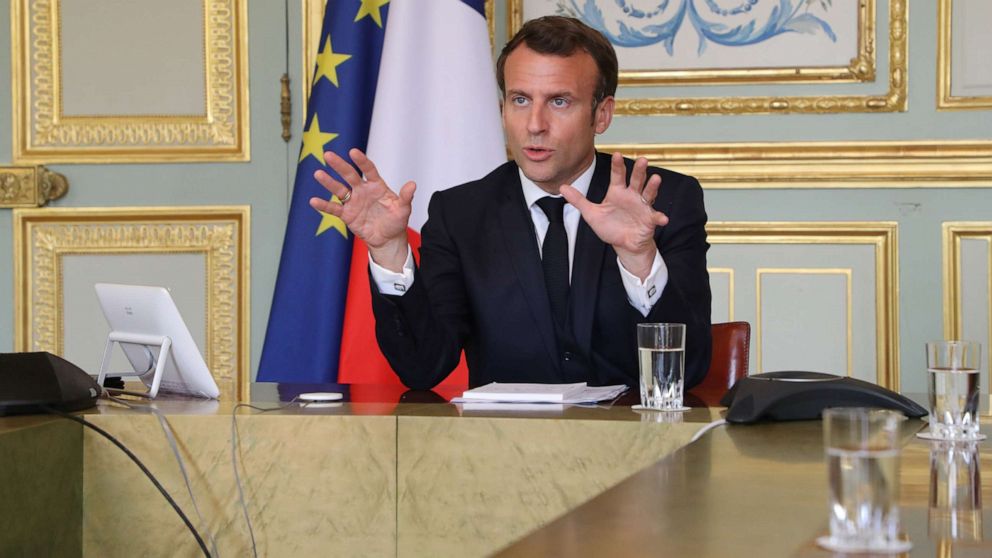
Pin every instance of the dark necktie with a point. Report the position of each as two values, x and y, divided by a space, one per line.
554 257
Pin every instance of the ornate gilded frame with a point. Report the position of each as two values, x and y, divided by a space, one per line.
945 100
893 100
854 164
953 233
221 234
861 67
43 134
882 235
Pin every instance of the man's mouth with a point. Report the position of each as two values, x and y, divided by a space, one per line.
537 153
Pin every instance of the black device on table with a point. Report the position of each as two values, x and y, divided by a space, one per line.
797 395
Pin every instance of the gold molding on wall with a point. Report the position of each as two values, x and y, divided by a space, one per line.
729 271
43 134
858 164
30 186
313 19
848 308
945 100
894 99
883 235
221 234
953 232
859 69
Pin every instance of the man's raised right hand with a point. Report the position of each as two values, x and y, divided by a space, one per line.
372 211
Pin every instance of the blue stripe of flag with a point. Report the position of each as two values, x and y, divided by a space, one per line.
303 337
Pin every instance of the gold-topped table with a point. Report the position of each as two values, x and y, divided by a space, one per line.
407 474
418 477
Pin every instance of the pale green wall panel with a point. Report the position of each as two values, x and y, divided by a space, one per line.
975 287
261 183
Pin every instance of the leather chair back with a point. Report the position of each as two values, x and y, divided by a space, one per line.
729 361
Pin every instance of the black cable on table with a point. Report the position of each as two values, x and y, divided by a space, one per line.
151 477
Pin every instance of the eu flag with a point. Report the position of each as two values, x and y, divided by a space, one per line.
303 338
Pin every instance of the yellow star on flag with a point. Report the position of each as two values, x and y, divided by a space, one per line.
328 62
314 141
328 221
371 8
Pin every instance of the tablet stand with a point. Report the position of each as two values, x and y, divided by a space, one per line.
120 337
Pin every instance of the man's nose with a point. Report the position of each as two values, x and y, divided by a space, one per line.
536 120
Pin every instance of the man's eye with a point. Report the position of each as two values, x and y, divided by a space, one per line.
519 101
559 102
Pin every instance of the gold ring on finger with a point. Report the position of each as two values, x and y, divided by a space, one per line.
346 197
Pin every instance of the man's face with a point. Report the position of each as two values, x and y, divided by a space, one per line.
548 114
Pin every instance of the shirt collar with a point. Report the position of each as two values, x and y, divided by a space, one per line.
533 192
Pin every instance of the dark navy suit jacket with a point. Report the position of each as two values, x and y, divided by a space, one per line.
480 287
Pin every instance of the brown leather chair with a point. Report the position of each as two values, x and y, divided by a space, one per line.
729 360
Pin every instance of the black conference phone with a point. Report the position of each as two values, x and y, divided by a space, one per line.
795 395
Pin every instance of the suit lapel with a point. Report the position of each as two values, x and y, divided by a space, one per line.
521 244
589 251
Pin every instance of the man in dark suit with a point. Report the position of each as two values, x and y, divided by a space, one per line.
541 270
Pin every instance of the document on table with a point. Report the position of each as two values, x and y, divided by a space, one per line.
540 393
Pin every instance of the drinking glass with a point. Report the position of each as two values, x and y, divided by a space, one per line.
661 353
953 387
862 447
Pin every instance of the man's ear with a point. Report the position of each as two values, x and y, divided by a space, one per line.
603 115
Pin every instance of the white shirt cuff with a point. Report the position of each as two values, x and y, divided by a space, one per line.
643 295
390 282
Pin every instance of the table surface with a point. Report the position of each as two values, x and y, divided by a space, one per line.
760 488
386 472
387 400
757 487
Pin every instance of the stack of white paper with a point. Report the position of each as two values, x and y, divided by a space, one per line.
540 393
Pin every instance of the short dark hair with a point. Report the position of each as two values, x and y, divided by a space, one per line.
564 36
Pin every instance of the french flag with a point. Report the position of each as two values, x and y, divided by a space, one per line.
436 121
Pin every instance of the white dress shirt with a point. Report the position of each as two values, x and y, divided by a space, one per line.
642 295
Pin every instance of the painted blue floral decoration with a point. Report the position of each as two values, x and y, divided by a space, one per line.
632 23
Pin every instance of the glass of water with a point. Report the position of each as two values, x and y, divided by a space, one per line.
862 447
661 353
953 386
